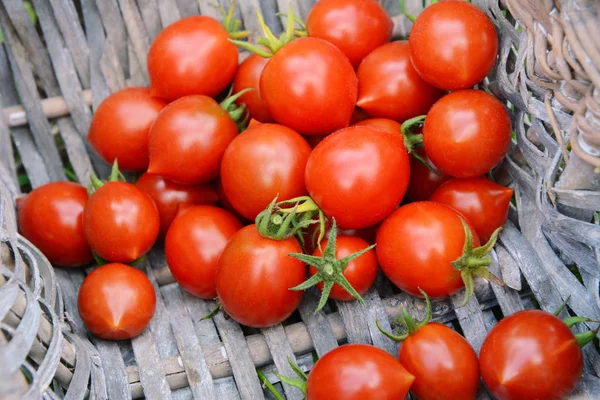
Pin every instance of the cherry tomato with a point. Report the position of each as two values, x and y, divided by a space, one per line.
264 162
121 222
254 276
531 355
417 243
248 76
116 301
382 123
423 182
356 27
310 87
193 245
482 201
188 139
453 45
120 127
226 204
389 86
169 195
466 133
358 372
311 235
191 56
358 175
50 217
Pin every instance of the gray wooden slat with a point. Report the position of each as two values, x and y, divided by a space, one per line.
207 8
137 34
470 318
8 175
188 7
136 74
281 350
304 7
375 312
168 11
150 17
115 29
511 275
112 71
284 6
248 11
355 320
508 298
76 150
30 157
317 324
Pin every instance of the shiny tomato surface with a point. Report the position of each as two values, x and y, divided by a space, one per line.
248 76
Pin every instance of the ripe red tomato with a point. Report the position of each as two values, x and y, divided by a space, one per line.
310 86
50 217
356 27
191 56
116 301
417 243
188 139
482 201
264 162
225 203
358 175
423 182
193 245
121 222
120 127
531 355
382 123
466 133
254 276
169 195
248 76
358 372
389 86
453 45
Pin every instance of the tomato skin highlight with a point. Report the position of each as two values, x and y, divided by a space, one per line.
248 76
182 59
466 133
531 354
358 175
424 182
254 275
358 372
382 123
120 127
310 87
188 139
389 87
121 222
116 301
356 27
453 45
51 217
266 161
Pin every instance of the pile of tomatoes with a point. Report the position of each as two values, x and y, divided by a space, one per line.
329 146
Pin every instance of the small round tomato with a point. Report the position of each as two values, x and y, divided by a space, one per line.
121 222
382 123
225 203
188 139
531 355
356 27
453 45
358 175
169 195
423 181
358 372
310 87
482 201
266 161
50 217
191 56
193 245
120 127
389 86
254 277
116 301
248 76
466 133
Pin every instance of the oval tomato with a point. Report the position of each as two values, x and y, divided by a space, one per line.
382 123
116 301
358 175
356 27
191 56
264 162
188 139
254 275
389 86
168 196
423 182
121 222
466 133
51 217
193 245
310 87
248 76
453 45
120 127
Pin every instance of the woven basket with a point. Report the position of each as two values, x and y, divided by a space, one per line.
82 50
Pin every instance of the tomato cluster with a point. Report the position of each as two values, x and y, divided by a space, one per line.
335 153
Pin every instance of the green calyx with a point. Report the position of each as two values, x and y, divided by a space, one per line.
582 338
282 220
414 141
239 114
330 270
231 25
475 261
407 323
299 382
96 183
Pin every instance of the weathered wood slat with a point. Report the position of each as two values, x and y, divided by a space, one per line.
138 36
150 17
168 11
508 298
470 319
281 351
187 7
318 325
376 312
116 31
355 321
